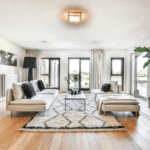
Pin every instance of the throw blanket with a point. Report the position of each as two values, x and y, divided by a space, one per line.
113 99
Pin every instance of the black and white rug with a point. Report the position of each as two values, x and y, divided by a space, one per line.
74 119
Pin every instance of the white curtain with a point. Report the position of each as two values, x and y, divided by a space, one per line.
97 68
34 53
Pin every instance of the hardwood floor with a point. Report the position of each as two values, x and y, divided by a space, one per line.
136 137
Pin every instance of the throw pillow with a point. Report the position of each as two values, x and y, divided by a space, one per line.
106 87
18 91
28 90
41 85
114 86
35 85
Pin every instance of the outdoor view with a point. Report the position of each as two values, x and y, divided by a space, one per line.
116 70
50 73
79 67
141 76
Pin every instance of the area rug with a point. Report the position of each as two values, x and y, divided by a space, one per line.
73 119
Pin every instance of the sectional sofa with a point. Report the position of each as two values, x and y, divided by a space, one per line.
17 102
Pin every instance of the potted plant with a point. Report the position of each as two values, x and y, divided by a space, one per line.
74 79
144 50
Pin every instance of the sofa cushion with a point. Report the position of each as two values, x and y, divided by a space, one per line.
18 91
114 86
27 102
35 85
38 99
120 102
41 85
28 90
48 91
106 87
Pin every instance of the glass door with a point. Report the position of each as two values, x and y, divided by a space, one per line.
80 68
50 72
139 78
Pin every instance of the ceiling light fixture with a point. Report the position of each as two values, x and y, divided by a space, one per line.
74 15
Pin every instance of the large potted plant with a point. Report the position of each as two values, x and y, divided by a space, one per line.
144 50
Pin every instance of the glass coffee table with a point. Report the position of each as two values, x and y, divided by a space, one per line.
76 97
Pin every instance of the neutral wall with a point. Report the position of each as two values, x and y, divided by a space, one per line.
20 52
145 43
64 54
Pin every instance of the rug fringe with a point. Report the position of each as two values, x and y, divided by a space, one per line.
72 130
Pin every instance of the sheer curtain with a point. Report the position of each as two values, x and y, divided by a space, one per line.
34 53
97 68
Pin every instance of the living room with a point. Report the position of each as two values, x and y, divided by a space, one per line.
86 57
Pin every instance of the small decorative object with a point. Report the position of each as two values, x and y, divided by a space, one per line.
30 62
74 79
72 92
7 58
144 50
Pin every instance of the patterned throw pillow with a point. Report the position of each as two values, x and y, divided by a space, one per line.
41 85
106 87
28 90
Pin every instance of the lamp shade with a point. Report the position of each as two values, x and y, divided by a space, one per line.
30 62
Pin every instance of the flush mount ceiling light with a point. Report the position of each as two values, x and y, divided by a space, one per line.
74 15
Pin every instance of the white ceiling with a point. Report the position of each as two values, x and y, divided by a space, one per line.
113 24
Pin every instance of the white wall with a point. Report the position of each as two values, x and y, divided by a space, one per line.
20 52
64 54
145 43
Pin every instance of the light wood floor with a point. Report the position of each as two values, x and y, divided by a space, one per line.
137 137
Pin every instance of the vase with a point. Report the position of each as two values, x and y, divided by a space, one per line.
76 88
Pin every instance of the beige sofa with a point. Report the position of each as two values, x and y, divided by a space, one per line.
40 102
115 88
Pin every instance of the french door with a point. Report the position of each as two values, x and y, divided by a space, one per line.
81 68
139 76
50 72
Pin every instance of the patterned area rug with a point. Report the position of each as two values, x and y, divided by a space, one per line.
74 119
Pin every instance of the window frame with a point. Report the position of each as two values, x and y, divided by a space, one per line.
49 75
122 69
80 58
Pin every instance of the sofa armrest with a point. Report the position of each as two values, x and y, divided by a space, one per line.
9 97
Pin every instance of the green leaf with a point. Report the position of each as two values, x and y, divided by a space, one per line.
146 64
140 49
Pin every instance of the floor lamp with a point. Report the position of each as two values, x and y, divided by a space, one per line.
30 62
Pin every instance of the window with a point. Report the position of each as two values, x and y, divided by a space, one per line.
117 71
50 72
81 68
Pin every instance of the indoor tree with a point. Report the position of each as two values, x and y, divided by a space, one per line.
144 50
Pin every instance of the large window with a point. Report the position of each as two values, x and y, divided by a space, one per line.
79 67
117 71
50 72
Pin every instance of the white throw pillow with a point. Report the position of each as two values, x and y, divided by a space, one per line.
18 91
114 86
35 85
